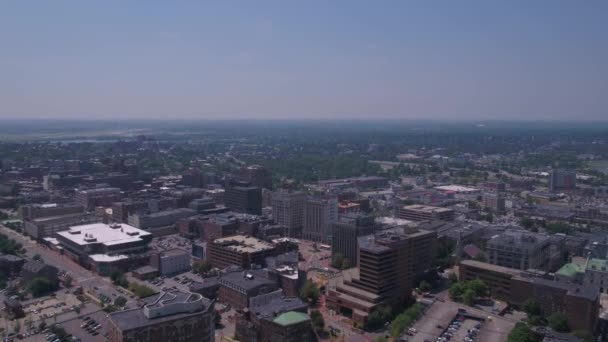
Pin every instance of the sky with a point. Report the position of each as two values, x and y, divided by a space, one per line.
517 59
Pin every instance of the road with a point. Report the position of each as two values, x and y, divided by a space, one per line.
50 257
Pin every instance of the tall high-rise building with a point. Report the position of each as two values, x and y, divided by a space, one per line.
288 210
256 175
319 215
345 233
562 180
244 199
494 201
390 262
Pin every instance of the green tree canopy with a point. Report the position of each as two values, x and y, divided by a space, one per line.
558 322
309 292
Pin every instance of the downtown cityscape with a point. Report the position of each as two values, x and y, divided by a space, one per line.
304 171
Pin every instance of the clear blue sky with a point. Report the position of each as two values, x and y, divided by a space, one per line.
304 59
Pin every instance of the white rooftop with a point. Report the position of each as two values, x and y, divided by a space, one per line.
107 258
103 233
456 188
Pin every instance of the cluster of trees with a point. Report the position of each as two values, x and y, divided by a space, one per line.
141 291
378 317
318 322
445 250
310 292
556 321
405 319
9 246
468 292
119 279
204 268
522 333
553 228
340 262
41 286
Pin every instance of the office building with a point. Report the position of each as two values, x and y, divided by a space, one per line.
43 227
578 303
239 250
218 226
102 242
417 212
38 269
244 199
97 197
122 210
166 218
562 180
34 211
288 210
237 288
390 263
319 215
346 232
520 250
257 176
494 201
176 315
171 262
282 319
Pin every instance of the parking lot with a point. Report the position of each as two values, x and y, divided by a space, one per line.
440 316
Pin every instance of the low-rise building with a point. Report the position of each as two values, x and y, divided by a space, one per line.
171 262
239 250
97 197
417 212
238 287
520 250
579 303
170 316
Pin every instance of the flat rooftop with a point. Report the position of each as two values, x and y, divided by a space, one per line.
426 208
491 267
457 188
101 233
244 244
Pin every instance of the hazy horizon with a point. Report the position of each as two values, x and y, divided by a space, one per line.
314 60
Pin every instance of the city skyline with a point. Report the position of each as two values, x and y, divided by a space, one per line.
315 60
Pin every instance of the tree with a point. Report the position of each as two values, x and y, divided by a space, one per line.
424 286
526 222
41 286
560 227
380 339
469 297
141 291
532 308
558 322
456 291
119 279
318 322
203 267
310 292
120 301
479 287
522 333
378 317
37 257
